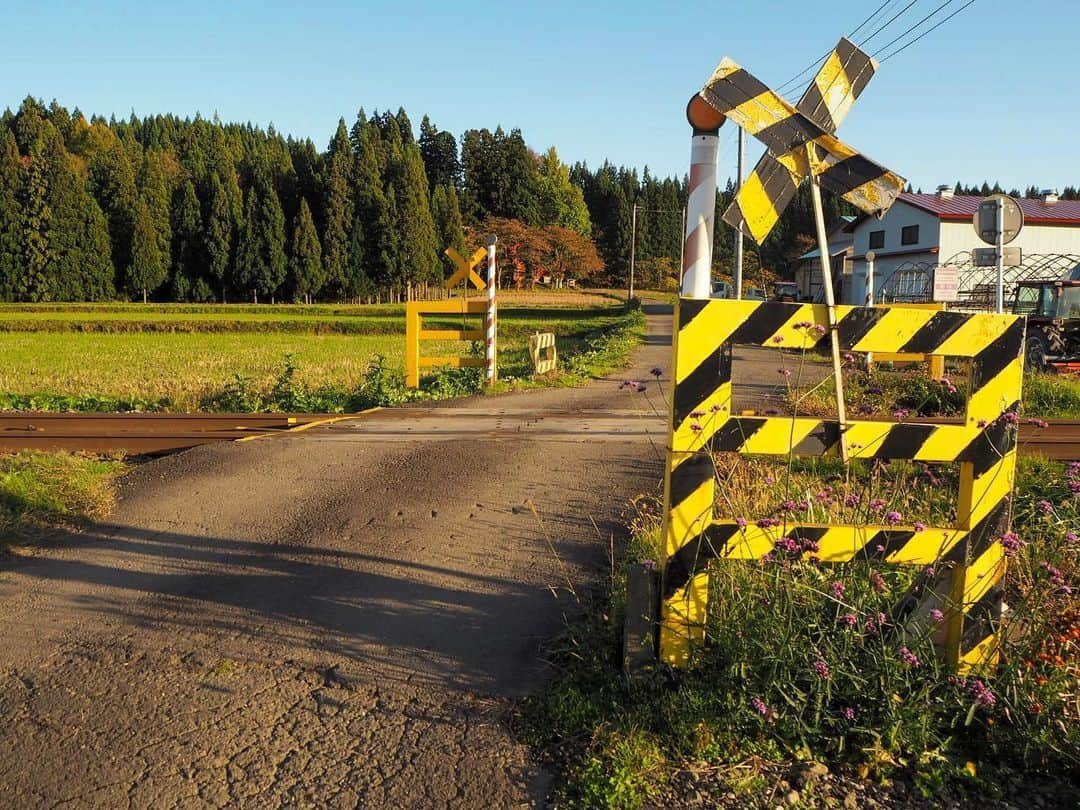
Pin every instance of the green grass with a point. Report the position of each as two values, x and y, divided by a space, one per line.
103 359
43 490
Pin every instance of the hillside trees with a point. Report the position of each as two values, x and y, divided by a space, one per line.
146 270
11 187
305 255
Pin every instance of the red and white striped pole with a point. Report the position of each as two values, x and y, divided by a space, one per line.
701 203
489 347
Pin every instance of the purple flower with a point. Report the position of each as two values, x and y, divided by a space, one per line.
837 590
877 582
849 713
696 427
1040 423
788 506
876 505
852 500
893 517
919 527
1070 538
850 619
656 372
982 694
767 523
1055 573
778 339
769 480
1011 543
740 522
821 330
901 413
803 325
936 615
759 706
849 358
1011 417
696 414
784 371
716 408
822 670
1045 507
649 565
908 657
981 423
641 387
788 545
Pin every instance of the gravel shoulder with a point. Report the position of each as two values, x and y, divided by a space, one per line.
323 619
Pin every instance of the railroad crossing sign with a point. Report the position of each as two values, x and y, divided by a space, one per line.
985 219
800 140
466 269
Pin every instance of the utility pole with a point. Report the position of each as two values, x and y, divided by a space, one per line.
633 249
738 232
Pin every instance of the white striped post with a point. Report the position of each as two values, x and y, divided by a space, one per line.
489 347
701 203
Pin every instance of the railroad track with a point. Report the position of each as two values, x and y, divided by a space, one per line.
151 433
138 433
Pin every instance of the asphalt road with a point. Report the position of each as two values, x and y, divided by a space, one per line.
337 618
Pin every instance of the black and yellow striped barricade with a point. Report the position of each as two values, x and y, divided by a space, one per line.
543 353
702 423
465 273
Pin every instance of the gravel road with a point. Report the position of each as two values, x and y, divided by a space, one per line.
325 619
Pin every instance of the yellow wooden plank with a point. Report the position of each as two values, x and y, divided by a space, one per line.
451 334
453 362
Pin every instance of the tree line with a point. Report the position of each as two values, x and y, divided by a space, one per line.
197 210
191 209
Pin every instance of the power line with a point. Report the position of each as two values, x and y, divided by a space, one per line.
892 19
893 41
817 62
927 31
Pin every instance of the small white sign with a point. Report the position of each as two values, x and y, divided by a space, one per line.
947 283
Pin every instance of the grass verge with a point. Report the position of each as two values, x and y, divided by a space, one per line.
39 491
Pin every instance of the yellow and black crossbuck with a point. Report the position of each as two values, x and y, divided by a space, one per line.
702 423
800 140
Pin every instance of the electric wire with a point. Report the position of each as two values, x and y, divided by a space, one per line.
817 62
891 20
924 33
896 39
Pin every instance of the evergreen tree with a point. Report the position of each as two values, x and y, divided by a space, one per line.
36 279
155 184
260 262
219 231
11 218
439 150
188 250
147 269
418 257
447 216
338 209
305 255
112 182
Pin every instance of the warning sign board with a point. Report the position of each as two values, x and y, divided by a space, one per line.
947 283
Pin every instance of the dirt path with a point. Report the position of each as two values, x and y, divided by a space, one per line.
329 619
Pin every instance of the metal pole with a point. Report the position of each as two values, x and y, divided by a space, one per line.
1000 255
830 301
633 249
738 233
700 213
489 347
869 302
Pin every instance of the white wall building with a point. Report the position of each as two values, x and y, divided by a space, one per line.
931 229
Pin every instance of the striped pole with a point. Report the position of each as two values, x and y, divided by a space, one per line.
701 203
489 348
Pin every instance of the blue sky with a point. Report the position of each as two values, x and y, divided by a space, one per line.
993 93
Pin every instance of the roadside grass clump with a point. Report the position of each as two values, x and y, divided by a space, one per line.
1052 396
43 490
